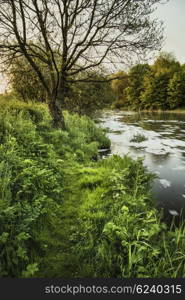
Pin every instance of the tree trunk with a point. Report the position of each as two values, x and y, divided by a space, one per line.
57 115
56 103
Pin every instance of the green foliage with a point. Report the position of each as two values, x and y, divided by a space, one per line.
63 214
86 97
81 97
176 90
30 185
120 233
85 127
24 80
136 76
159 86
119 87
80 141
155 91
32 159
156 83
166 62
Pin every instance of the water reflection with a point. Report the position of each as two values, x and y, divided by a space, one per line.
163 150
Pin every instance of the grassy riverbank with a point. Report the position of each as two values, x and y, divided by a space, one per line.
64 213
177 110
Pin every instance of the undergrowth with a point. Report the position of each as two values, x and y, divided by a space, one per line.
120 232
64 213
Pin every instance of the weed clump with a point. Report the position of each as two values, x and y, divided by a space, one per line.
138 138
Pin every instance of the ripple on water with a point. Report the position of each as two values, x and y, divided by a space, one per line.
173 143
165 183
179 168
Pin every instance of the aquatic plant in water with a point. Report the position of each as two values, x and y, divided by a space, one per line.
138 138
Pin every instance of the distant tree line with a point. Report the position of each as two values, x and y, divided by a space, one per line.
157 86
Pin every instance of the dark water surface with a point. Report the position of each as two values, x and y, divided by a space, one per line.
163 151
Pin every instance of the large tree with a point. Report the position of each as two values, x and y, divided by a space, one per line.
119 86
71 36
176 89
135 88
155 83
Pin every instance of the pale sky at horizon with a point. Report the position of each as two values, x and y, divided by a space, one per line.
173 16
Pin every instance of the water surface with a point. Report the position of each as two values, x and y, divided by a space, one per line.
163 150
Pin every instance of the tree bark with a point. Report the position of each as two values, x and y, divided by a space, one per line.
57 101
57 115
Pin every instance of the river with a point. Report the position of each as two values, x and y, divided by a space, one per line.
163 150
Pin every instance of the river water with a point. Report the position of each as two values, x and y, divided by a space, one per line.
163 151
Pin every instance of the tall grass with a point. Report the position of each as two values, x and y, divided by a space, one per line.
33 159
64 214
121 233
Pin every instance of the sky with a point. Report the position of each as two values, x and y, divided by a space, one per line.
173 16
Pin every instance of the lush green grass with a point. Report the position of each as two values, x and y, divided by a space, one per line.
33 160
120 232
65 214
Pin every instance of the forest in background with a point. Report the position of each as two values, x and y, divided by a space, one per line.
160 86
